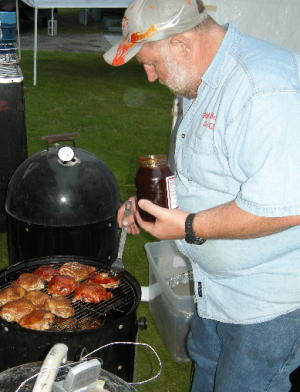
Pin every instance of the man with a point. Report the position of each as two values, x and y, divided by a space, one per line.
238 188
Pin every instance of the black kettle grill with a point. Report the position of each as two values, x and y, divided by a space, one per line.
61 206
62 201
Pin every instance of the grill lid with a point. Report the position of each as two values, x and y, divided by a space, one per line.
62 186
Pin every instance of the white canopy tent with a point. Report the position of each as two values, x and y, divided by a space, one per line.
46 4
276 21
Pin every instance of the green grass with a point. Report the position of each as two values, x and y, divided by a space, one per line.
119 116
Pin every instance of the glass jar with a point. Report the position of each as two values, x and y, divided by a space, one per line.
155 181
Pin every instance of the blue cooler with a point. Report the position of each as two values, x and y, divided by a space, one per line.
8 38
8 26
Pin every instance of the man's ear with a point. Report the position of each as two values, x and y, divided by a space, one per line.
182 43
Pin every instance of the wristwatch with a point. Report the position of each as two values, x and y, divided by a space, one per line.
190 236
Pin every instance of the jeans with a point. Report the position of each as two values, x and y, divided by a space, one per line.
244 358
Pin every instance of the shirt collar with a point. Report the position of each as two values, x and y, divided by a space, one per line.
213 74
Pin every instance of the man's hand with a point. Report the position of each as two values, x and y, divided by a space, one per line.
129 221
169 223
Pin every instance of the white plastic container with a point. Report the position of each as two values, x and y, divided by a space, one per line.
171 308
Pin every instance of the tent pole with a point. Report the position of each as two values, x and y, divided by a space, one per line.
35 45
18 30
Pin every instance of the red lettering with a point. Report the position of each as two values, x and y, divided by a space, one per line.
213 116
209 125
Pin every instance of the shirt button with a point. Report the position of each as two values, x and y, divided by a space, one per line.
182 135
200 289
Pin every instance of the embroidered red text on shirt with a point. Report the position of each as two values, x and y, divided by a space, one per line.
210 120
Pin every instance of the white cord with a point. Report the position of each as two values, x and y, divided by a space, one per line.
101 348
134 344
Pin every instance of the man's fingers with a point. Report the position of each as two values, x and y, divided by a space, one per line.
128 221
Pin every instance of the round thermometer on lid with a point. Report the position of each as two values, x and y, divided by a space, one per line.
66 154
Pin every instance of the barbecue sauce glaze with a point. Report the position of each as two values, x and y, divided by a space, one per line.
155 182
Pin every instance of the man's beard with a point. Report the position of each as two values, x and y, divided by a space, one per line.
182 81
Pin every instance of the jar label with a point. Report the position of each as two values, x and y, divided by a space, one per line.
171 192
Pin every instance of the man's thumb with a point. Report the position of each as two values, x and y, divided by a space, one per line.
148 206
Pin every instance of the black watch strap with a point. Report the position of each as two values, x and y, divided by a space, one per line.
190 236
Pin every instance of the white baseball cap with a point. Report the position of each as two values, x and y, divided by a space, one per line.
153 20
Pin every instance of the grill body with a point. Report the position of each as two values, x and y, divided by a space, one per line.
20 345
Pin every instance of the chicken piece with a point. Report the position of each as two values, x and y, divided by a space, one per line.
77 270
46 272
61 285
60 306
11 294
30 282
15 310
91 293
104 279
39 320
38 298
68 325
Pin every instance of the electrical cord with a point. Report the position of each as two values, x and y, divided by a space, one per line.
85 358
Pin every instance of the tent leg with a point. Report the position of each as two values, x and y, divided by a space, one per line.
18 30
35 46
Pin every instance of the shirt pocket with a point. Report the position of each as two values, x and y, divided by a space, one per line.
200 141
200 158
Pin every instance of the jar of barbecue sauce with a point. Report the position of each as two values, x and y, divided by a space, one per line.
155 181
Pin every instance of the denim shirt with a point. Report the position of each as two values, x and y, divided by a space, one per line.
239 140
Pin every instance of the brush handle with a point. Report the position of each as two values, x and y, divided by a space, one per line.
127 212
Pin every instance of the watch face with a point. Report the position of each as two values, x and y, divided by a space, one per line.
190 239
195 240
199 241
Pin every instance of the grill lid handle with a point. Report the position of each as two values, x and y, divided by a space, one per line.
64 137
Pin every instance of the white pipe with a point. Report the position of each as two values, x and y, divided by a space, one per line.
145 294
151 292
50 366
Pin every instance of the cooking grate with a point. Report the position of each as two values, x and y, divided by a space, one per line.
123 301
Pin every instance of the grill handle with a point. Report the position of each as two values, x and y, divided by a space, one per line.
64 137
142 323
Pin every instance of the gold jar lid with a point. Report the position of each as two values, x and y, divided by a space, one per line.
156 160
